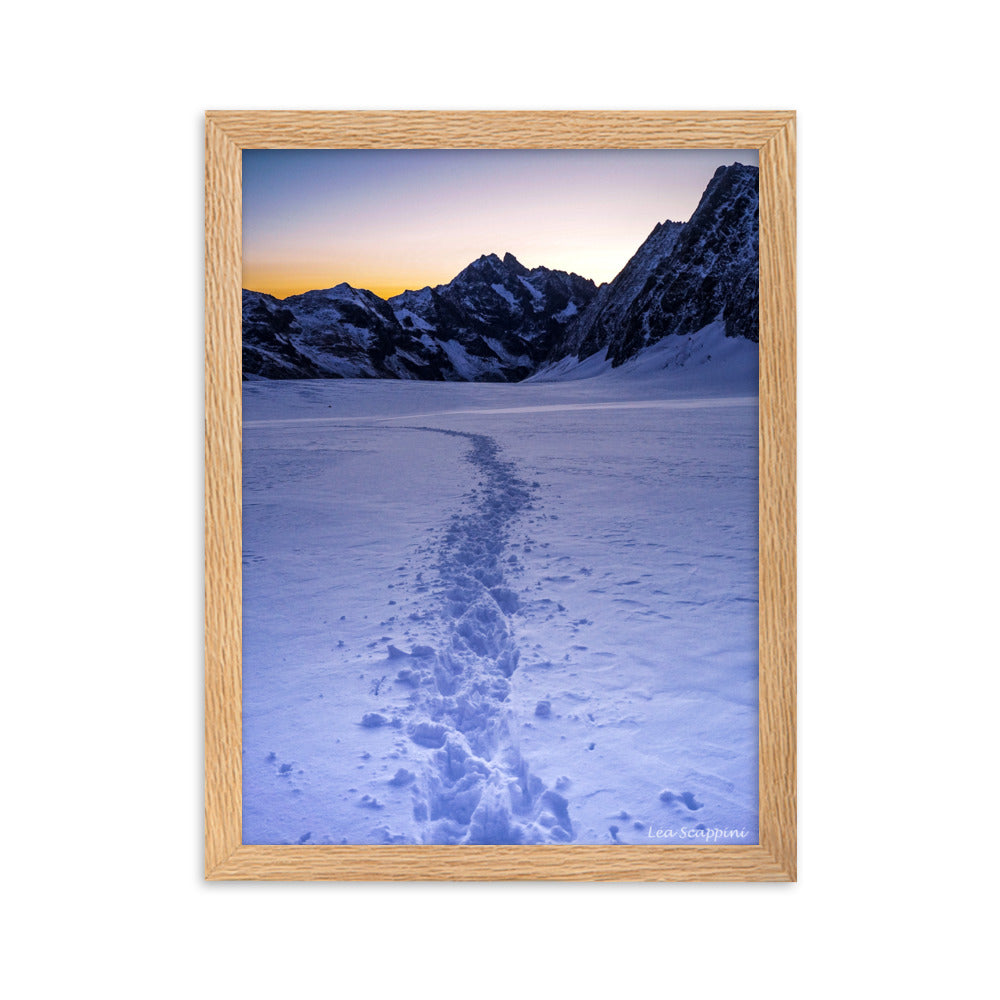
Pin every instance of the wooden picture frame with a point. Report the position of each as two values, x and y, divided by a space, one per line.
772 133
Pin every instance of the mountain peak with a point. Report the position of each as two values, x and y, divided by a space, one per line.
736 169
491 262
682 278
334 291
486 262
730 178
497 320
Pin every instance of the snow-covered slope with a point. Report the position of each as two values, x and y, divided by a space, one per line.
270 331
683 277
607 308
502 613
495 321
707 361
504 317
339 332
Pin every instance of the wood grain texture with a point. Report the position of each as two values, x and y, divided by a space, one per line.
223 508
227 134
777 570
499 129
631 863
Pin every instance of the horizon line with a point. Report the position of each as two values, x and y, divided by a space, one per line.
441 284
404 224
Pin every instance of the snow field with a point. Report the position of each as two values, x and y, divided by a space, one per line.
501 613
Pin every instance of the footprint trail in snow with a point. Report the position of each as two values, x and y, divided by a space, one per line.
477 789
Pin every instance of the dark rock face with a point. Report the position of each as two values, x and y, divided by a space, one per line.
685 276
353 333
339 332
505 317
496 321
499 321
608 309
269 330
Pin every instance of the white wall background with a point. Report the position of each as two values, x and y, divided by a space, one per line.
101 397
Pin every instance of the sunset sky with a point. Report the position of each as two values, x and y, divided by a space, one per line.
388 220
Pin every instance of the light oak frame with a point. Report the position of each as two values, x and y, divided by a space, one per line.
227 133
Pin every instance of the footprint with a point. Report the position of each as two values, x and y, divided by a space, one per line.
685 798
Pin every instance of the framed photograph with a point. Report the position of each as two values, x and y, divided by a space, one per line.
500 496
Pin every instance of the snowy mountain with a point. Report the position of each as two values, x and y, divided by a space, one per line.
495 321
340 332
509 614
498 321
269 332
497 309
684 277
607 309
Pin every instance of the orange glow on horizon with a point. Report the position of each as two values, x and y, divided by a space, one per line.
297 274
392 220
283 288
281 280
